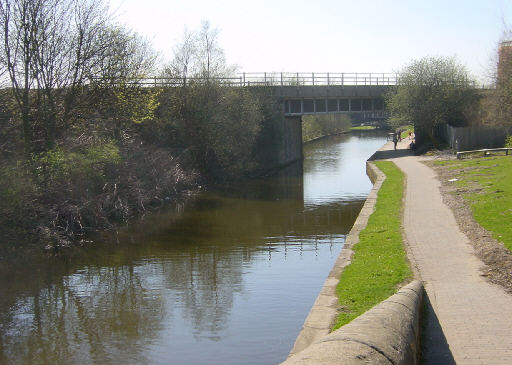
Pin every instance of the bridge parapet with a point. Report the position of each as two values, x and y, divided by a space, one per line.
317 78
283 79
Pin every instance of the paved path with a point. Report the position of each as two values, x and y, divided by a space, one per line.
475 316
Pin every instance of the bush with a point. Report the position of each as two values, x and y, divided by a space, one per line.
508 142
432 91
317 126
17 189
59 167
221 125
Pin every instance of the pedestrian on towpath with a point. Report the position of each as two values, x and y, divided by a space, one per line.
395 139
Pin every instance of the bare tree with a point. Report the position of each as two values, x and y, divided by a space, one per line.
210 60
89 18
182 65
51 48
19 32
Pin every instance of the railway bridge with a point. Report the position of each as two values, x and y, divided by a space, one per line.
360 95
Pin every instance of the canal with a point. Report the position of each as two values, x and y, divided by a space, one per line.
225 279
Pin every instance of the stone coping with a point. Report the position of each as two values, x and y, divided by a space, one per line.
386 334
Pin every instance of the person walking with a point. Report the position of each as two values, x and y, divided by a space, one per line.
395 140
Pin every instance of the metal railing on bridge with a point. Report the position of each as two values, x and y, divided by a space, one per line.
246 79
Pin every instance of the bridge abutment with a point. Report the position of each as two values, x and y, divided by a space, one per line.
290 145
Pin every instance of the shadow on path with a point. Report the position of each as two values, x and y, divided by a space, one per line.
388 154
434 347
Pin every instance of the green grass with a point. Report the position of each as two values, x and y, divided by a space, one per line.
406 129
363 128
379 262
491 206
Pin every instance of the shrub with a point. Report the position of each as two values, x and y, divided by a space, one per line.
316 126
508 142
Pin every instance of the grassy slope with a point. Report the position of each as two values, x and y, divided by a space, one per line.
406 129
379 263
492 206
363 128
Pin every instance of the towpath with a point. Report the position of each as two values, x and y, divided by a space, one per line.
469 320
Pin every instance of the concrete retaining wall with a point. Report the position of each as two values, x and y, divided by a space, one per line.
470 138
374 173
290 146
390 328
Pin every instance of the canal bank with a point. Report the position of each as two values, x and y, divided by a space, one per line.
219 275
467 319
324 312
344 344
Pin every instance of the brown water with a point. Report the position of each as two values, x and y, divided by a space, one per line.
227 279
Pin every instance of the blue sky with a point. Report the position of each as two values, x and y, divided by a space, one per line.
329 36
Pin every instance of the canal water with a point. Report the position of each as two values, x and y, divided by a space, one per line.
226 279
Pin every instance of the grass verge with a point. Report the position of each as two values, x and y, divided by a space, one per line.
405 131
379 262
487 183
363 128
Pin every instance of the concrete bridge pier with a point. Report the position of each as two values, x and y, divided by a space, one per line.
290 144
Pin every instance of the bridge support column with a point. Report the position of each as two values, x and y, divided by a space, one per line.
290 148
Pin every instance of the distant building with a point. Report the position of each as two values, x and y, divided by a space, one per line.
504 60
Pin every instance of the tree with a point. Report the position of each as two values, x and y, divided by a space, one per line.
53 48
199 55
210 60
497 105
125 56
182 65
432 91
18 29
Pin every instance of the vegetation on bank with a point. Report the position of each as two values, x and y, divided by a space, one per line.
363 128
508 142
489 184
433 91
405 130
84 145
321 125
379 263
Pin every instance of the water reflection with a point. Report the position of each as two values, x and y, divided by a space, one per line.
232 273
94 315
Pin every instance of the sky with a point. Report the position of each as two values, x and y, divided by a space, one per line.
329 35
